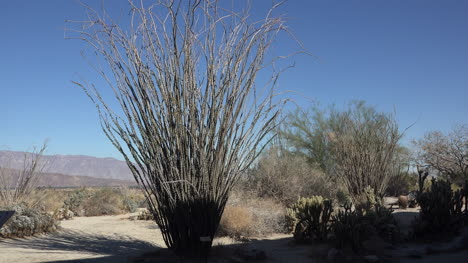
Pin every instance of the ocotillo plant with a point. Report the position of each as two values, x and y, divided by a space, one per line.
192 119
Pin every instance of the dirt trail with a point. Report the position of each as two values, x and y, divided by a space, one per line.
86 239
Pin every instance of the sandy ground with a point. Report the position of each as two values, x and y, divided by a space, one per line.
118 239
99 238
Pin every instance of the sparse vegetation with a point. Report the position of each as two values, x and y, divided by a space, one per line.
352 227
27 222
285 176
310 218
441 210
103 201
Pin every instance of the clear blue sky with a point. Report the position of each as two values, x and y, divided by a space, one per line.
411 56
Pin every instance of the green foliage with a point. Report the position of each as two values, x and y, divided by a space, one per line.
129 204
367 199
27 222
358 145
402 184
348 228
441 210
75 200
311 218
343 198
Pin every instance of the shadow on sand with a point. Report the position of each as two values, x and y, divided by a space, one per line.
127 249
118 248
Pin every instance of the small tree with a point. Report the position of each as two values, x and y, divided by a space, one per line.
184 78
363 146
17 185
447 154
358 146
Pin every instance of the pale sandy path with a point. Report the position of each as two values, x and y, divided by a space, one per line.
111 238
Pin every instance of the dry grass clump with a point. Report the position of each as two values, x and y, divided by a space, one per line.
249 216
236 222
104 201
49 200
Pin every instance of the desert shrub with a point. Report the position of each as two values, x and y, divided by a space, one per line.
353 227
382 223
130 199
145 215
348 228
310 217
267 215
440 210
105 201
285 176
402 184
102 201
129 204
27 221
403 201
367 200
236 222
343 198
75 201
49 200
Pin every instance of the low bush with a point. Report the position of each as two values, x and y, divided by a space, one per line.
402 184
348 228
367 200
285 177
236 222
353 227
103 201
310 218
145 215
441 210
27 222
75 201
265 216
343 198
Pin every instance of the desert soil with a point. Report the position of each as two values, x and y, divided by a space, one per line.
118 239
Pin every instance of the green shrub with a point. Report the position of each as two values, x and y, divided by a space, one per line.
75 200
343 198
353 227
402 184
310 217
367 200
441 210
27 222
105 201
348 228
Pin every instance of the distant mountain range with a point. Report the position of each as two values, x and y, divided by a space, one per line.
69 169
62 180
